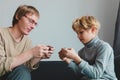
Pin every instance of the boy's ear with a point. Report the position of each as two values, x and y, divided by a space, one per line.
94 29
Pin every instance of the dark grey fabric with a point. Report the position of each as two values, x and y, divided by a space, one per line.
117 67
116 45
58 70
53 70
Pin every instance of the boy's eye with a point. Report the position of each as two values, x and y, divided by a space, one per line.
81 32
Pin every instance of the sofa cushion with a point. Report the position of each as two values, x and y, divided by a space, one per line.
53 70
117 67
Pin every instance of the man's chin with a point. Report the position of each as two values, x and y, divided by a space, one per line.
26 34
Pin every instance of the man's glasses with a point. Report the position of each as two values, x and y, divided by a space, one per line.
31 20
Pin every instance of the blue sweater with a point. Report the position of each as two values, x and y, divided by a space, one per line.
97 63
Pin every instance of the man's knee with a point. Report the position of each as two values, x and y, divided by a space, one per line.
20 73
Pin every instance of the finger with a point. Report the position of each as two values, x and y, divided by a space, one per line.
50 48
48 55
44 47
64 58
64 50
69 48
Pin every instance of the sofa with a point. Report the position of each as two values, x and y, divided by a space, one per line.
58 70
53 70
117 67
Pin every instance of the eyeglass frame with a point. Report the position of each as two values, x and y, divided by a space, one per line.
31 20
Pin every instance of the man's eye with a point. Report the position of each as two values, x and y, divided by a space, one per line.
33 22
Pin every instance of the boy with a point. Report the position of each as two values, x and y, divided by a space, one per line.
96 59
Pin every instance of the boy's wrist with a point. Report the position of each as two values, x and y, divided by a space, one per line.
78 60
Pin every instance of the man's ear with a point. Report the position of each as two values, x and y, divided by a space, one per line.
16 17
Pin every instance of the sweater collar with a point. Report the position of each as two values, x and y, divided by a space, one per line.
92 42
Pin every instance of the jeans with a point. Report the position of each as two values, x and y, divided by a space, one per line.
19 73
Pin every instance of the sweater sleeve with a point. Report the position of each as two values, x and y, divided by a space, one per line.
73 66
28 63
5 62
95 71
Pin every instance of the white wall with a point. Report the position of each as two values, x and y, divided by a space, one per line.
56 19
